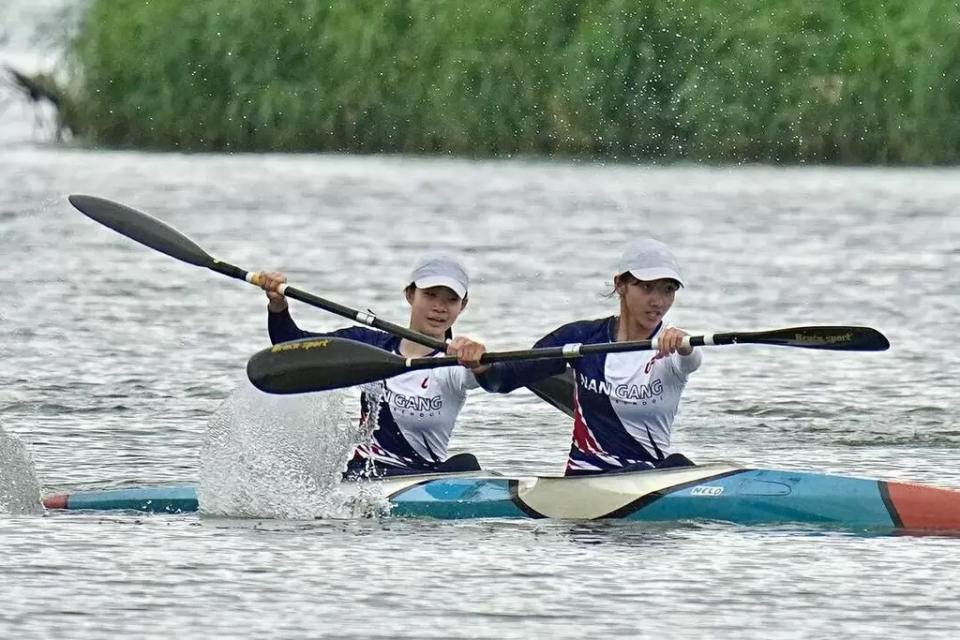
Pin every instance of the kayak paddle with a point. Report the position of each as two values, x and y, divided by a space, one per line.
160 236
318 364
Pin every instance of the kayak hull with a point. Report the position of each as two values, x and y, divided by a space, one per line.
713 492
162 499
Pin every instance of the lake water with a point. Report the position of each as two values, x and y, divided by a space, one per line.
115 360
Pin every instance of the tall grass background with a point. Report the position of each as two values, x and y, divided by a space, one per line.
851 81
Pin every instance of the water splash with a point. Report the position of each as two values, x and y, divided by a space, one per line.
270 456
19 488
366 498
372 395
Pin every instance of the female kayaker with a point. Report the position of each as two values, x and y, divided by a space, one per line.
624 403
418 409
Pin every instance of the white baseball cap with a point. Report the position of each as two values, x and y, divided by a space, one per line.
441 269
649 259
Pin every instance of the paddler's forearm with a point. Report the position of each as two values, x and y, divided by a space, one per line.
282 328
689 363
504 377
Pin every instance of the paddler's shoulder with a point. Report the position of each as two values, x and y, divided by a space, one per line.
375 337
585 331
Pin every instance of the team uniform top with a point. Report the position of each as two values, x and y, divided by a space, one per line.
418 409
624 403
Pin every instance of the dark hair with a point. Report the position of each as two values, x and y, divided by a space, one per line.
410 288
627 278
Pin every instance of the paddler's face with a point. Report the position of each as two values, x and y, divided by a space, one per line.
647 301
434 310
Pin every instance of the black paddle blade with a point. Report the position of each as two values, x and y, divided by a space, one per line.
557 390
837 338
319 364
143 228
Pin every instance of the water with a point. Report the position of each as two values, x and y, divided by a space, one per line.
115 361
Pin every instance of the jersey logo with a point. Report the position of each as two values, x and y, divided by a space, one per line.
412 402
423 385
622 391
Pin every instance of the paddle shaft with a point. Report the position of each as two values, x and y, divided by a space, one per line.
317 364
363 317
574 350
159 236
834 338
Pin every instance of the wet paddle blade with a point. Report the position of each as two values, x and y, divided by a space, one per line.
557 390
143 228
836 338
320 364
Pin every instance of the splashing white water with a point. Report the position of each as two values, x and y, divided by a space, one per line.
19 488
271 456
367 499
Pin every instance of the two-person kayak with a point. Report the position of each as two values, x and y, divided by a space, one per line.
710 492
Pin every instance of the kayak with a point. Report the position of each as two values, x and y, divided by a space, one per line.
715 492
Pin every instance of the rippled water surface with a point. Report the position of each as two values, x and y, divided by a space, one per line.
116 362
115 358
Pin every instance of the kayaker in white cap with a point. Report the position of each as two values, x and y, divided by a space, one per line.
624 403
418 410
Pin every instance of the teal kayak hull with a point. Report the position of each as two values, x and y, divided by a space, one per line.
711 492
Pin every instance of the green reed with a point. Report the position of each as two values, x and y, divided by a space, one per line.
853 81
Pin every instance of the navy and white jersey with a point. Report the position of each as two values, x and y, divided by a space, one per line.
624 403
418 409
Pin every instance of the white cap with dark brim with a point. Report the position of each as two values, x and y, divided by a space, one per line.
441 269
649 259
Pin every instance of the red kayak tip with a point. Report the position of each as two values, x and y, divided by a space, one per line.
56 502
